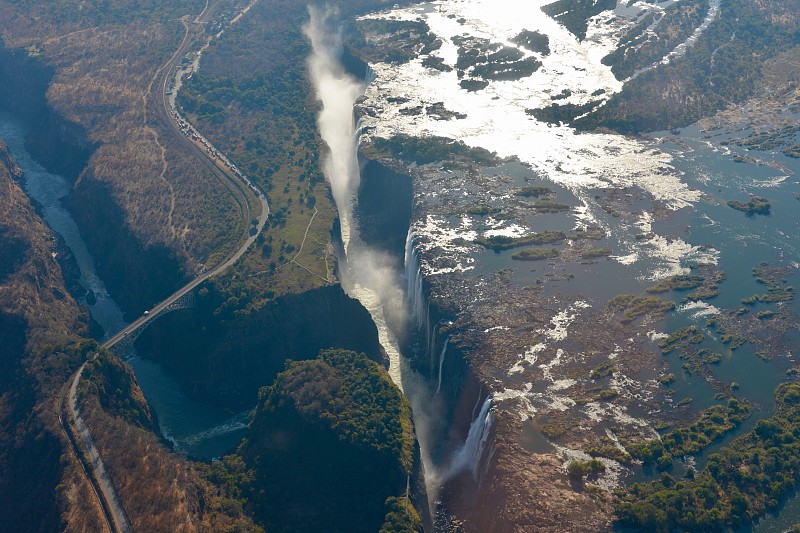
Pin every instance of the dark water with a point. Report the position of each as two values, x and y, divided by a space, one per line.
197 428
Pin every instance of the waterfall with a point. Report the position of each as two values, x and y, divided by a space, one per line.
369 75
478 401
414 289
338 92
471 453
367 274
419 307
441 363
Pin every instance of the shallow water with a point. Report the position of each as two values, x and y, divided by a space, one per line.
689 176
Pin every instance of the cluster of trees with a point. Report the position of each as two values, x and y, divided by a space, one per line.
98 12
592 469
351 394
111 382
394 41
575 14
633 306
492 61
641 48
160 490
561 113
503 242
330 448
426 150
678 282
712 424
533 41
535 254
742 482
754 206
723 66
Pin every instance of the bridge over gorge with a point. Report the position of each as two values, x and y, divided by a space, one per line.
123 345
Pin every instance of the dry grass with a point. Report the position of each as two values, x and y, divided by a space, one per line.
161 491
102 78
31 440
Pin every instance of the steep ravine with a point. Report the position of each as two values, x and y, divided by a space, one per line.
226 358
137 275
36 313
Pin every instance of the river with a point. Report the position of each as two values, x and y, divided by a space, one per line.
199 429
678 183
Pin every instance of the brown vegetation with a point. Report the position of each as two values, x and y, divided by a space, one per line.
42 486
103 83
160 490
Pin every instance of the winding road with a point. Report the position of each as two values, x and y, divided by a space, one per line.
74 426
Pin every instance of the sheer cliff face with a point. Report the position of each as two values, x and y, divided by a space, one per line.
229 359
331 446
31 287
42 491
93 91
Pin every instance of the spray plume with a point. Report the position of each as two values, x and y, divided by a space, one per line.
369 275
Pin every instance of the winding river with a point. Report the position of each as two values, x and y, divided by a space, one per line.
196 428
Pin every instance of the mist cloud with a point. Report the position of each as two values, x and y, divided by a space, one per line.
337 91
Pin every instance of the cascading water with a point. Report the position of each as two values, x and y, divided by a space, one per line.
471 453
414 290
441 364
418 304
337 92
367 275
371 276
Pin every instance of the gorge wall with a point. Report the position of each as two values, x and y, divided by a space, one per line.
138 275
37 314
228 357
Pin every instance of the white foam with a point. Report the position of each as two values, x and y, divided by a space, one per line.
698 309
527 359
521 398
496 116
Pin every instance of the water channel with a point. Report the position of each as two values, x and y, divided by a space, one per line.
199 429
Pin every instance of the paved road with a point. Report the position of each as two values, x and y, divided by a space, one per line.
111 505
78 433
237 182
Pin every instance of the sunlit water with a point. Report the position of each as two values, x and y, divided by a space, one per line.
194 427
693 179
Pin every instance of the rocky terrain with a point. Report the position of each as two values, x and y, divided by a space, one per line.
560 284
43 484
141 198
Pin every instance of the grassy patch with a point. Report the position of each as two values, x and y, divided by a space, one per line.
633 306
535 254
502 242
